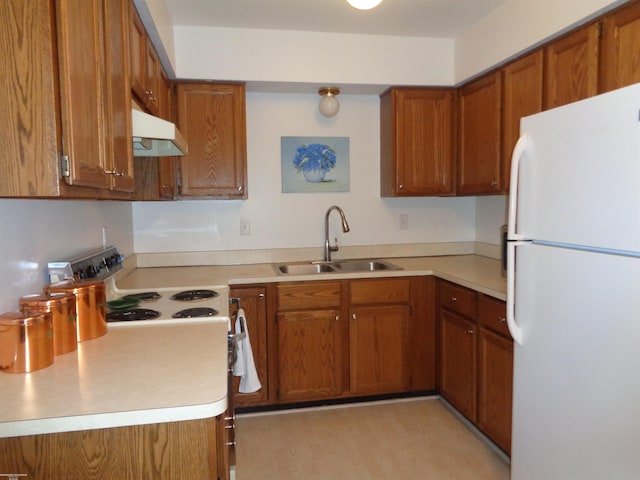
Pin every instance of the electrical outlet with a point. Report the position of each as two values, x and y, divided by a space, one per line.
245 226
404 221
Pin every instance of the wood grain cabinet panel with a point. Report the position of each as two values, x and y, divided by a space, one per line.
571 67
309 355
211 117
254 302
479 129
378 349
458 378
188 449
416 139
620 48
495 385
521 96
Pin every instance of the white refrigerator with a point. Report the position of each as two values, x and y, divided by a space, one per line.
573 291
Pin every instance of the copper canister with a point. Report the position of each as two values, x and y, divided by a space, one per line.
26 341
63 311
91 306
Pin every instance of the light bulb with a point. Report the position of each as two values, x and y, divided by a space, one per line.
364 4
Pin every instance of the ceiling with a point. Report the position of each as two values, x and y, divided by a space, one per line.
416 18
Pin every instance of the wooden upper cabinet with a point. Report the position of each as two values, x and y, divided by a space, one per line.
83 99
521 96
119 146
144 65
571 67
416 140
620 48
479 124
211 117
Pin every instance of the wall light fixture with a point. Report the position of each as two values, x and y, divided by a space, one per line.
329 104
364 4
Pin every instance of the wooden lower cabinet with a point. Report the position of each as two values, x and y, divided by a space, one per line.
378 349
495 385
175 450
309 359
476 359
253 300
346 338
457 363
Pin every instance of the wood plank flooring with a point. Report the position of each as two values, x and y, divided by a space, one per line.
411 439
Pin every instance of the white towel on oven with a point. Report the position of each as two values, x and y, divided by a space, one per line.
244 365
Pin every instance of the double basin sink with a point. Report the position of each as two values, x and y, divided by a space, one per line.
338 266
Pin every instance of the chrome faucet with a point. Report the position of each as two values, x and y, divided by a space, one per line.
345 228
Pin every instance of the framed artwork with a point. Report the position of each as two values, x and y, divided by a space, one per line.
315 164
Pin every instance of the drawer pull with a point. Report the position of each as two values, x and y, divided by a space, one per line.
502 320
470 332
337 318
454 299
353 316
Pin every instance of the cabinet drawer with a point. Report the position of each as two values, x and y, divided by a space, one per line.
396 290
492 313
458 299
308 295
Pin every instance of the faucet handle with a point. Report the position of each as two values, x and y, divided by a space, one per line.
334 247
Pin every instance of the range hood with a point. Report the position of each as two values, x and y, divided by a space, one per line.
155 137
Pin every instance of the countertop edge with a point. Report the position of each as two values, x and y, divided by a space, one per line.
41 426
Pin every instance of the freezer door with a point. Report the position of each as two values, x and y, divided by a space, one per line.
579 175
576 404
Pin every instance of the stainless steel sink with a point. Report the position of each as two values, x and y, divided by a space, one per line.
339 266
365 265
303 268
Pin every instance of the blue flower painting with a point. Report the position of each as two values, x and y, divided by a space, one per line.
315 164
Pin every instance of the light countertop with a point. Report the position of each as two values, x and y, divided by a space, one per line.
478 273
152 373
135 374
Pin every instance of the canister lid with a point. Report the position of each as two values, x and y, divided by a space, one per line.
17 318
77 286
45 300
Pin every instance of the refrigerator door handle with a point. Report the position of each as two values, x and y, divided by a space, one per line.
514 328
518 152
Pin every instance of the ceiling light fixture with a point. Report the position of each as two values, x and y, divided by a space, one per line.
364 4
329 104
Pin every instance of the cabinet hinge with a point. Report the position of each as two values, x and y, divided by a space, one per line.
64 165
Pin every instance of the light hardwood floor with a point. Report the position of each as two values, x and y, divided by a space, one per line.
409 440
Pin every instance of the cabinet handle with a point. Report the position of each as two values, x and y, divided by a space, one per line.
400 187
470 332
114 172
240 188
454 299
353 316
502 320
261 295
494 183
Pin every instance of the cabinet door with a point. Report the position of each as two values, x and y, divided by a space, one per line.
378 340
137 55
457 363
28 113
417 142
152 81
166 165
571 67
119 147
81 52
212 119
479 136
620 48
309 359
495 385
521 96
253 302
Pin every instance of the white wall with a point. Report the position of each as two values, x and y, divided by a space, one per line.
287 220
35 232
308 57
491 214
517 25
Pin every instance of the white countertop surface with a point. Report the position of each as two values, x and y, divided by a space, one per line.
159 372
479 273
135 374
